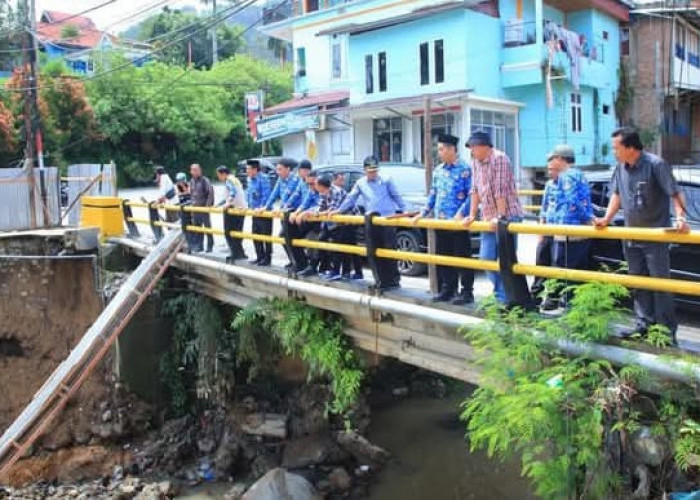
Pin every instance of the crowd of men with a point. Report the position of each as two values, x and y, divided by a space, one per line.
642 185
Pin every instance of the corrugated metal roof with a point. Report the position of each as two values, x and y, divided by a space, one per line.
315 99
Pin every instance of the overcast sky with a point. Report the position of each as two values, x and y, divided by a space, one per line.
110 16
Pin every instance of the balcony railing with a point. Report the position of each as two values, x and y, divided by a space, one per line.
296 8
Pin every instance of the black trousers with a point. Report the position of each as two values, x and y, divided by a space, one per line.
263 250
234 223
387 269
544 256
297 255
202 220
454 244
651 259
341 262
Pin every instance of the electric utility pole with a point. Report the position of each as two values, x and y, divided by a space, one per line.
28 82
214 41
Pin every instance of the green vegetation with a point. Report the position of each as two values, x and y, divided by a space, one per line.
301 330
70 31
570 419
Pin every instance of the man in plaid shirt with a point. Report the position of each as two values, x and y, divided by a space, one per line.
493 189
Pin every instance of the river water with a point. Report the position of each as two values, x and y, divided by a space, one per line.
431 459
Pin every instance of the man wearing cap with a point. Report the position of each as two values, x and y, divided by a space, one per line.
644 187
235 198
494 191
381 197
449 199
257 195
571 206
202 196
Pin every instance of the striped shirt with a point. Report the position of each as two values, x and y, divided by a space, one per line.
493 180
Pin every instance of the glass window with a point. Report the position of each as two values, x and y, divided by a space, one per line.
576 112
439 62
501 127
443 123
388 139
424 64
336 63
382 71
369 74
301 61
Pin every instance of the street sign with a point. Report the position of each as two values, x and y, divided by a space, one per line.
291 122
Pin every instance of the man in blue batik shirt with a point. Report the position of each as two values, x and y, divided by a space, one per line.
572 206
449 196
544 255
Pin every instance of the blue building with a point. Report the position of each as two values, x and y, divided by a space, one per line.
77 41
534 73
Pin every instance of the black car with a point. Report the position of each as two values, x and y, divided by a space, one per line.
267 166
410 182
685 259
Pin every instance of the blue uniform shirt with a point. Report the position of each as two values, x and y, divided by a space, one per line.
310 200
449 194
549 204
573 199
284 189
379 196
297 197
258 191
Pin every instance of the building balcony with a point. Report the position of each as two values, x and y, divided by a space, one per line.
297 8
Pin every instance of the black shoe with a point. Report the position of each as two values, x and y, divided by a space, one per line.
254 262
264 263
309 271
230 259
550 305
210 250
240 256
444 296
388 286
636 332
463 299
289 266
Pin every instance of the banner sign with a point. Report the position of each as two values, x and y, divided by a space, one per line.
292 122
253 109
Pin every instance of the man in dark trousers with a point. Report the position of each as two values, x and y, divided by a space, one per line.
449 199
380 196
202 193
544 255
257 194
643 186
235 198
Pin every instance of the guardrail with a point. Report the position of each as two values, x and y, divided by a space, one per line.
511 270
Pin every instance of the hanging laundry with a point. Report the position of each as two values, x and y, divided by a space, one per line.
574 52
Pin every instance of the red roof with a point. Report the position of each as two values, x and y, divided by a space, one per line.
55 17
316 99
88 38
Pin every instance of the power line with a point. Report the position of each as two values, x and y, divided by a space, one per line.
224 14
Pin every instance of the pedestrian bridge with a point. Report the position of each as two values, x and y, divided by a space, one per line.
402 323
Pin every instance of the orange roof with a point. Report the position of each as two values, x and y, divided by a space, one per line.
55 17
88 38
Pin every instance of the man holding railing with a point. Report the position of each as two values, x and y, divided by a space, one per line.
493 189
449 199
544 254
572 206
286 186
381 197
643 186
257 194
202 193
304 190
235 198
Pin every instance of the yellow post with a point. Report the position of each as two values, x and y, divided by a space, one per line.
104 212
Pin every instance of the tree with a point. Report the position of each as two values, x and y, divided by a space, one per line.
69 31
198 119
172 25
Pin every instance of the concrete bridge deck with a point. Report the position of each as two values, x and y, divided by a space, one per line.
417 331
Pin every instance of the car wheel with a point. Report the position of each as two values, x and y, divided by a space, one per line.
407 241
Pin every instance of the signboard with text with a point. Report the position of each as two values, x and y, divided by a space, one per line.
291 122
253 109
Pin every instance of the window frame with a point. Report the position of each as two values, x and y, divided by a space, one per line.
382 71
439 61
301 61
576 107
336 50
424 63
369 74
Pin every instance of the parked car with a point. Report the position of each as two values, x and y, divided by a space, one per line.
685 259
267 165
410 182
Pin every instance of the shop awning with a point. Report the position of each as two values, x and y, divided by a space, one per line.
332 98
412 102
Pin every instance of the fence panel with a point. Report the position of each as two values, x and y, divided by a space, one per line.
15 212
80 177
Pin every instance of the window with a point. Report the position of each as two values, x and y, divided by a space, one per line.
680 42
501 127
301 61
382 71
576 121
606 109
606 35
90 66
625 41
424 64
336 59
369 74
439 62
388 139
